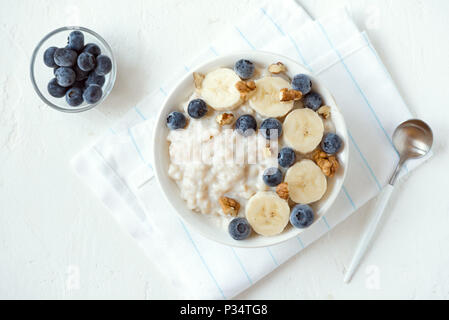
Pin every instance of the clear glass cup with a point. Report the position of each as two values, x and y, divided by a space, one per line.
41 74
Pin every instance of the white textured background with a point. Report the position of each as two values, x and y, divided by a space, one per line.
58 241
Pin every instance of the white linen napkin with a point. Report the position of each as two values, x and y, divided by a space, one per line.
118 170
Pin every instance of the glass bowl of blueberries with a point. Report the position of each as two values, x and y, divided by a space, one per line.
73 69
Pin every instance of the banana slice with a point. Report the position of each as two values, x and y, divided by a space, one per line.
306 182
219 91
266 99
303 130
267 214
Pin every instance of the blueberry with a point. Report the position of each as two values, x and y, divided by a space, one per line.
302 216
49 57
104 65
92 94
55 90
331 143
95 79
272 177
176 120
302 82
197 109
244 69
76 41
74 97
246 125
80 74
79 84
93 49
65 57
313 101
287 157
86 61
65 76
239 229
271 129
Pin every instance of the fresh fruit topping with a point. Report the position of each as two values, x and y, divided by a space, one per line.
49 57
245 69
331 143
55 90
219 91
266 100
272 177
271 129
290 95
306 183
302 216
286 157
328 164
65 57
74 97
65 76
95 79
229 206
267 214
76 41
104 65
277 68
246 125
303 130
282 191
197 109
86 61
92 94
302 82
224 119
176 120
245 89
313 101
198 79
325 112
93 49
239 229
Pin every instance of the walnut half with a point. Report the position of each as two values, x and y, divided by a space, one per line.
245 88
230 206
325 112
277 68
282 191
290 95
328 164
198 79
224 119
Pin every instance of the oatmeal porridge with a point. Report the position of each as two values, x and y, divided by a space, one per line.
253 148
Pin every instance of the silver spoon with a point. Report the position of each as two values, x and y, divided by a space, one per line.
412 139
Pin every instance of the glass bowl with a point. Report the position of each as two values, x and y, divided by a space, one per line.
41 74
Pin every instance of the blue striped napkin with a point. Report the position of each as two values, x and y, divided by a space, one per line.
118 170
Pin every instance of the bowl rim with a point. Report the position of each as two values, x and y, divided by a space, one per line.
156 140
113 74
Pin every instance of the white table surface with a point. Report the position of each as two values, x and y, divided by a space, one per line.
57 241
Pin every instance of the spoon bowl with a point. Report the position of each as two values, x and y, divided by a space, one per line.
413 139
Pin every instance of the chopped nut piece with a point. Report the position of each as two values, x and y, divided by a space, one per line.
198 79
245 88
277 68
230 206
282 191
224 119
325 112
290 95
328 164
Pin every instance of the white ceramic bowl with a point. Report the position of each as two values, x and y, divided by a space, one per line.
202 224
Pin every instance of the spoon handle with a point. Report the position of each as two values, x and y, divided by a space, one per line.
370 231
